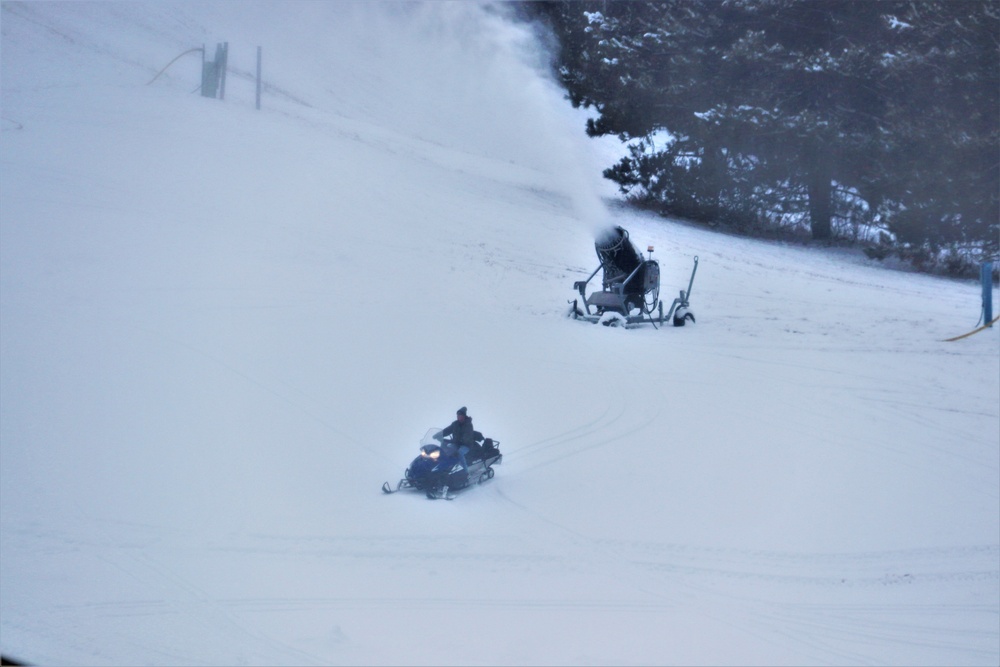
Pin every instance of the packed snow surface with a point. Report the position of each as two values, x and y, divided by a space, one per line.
224 328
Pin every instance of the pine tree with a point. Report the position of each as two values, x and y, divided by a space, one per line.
763 110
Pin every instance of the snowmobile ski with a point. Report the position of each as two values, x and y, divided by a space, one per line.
442 493
402 484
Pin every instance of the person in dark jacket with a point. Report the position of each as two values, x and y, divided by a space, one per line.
463 435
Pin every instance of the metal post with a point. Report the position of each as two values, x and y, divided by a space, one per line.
206 74
986 273
211 71
223 66
258 78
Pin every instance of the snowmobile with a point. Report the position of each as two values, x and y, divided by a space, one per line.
438 470
630 287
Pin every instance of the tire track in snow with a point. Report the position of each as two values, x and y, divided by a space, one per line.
580 439
834 630
586 429
934 632
193 600
888 568
144 587
284 398
602 442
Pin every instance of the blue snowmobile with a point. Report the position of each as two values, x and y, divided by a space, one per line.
438 470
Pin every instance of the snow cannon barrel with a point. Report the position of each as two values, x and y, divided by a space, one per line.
619 258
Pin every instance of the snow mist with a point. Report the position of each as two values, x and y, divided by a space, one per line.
463 76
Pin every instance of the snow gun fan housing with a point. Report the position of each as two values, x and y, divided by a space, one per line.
630 287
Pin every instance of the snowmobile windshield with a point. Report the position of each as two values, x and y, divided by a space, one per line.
428 438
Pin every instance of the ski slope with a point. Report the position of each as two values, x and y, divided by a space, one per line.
221 329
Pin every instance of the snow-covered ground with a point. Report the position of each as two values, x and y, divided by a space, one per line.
222 329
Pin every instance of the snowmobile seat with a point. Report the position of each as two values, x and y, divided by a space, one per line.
488 448
475 451
482 450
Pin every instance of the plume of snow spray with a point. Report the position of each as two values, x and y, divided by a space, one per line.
465 76
462 75
478 78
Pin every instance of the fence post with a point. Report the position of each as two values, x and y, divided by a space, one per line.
207 74
223 56
213 72
986 273
258 78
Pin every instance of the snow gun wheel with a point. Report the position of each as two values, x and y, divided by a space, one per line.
681 316
612 319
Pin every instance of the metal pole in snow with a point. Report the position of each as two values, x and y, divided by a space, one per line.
986 273
258 78
204 71
224 65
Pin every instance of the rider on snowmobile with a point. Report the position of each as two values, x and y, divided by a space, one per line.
463 435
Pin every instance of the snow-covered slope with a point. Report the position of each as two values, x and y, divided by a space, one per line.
222 329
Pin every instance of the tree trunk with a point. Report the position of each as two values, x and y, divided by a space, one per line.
713 168
820 197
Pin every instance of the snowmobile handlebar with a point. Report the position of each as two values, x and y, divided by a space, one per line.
447 438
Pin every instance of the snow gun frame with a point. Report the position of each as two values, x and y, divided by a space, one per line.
630 283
